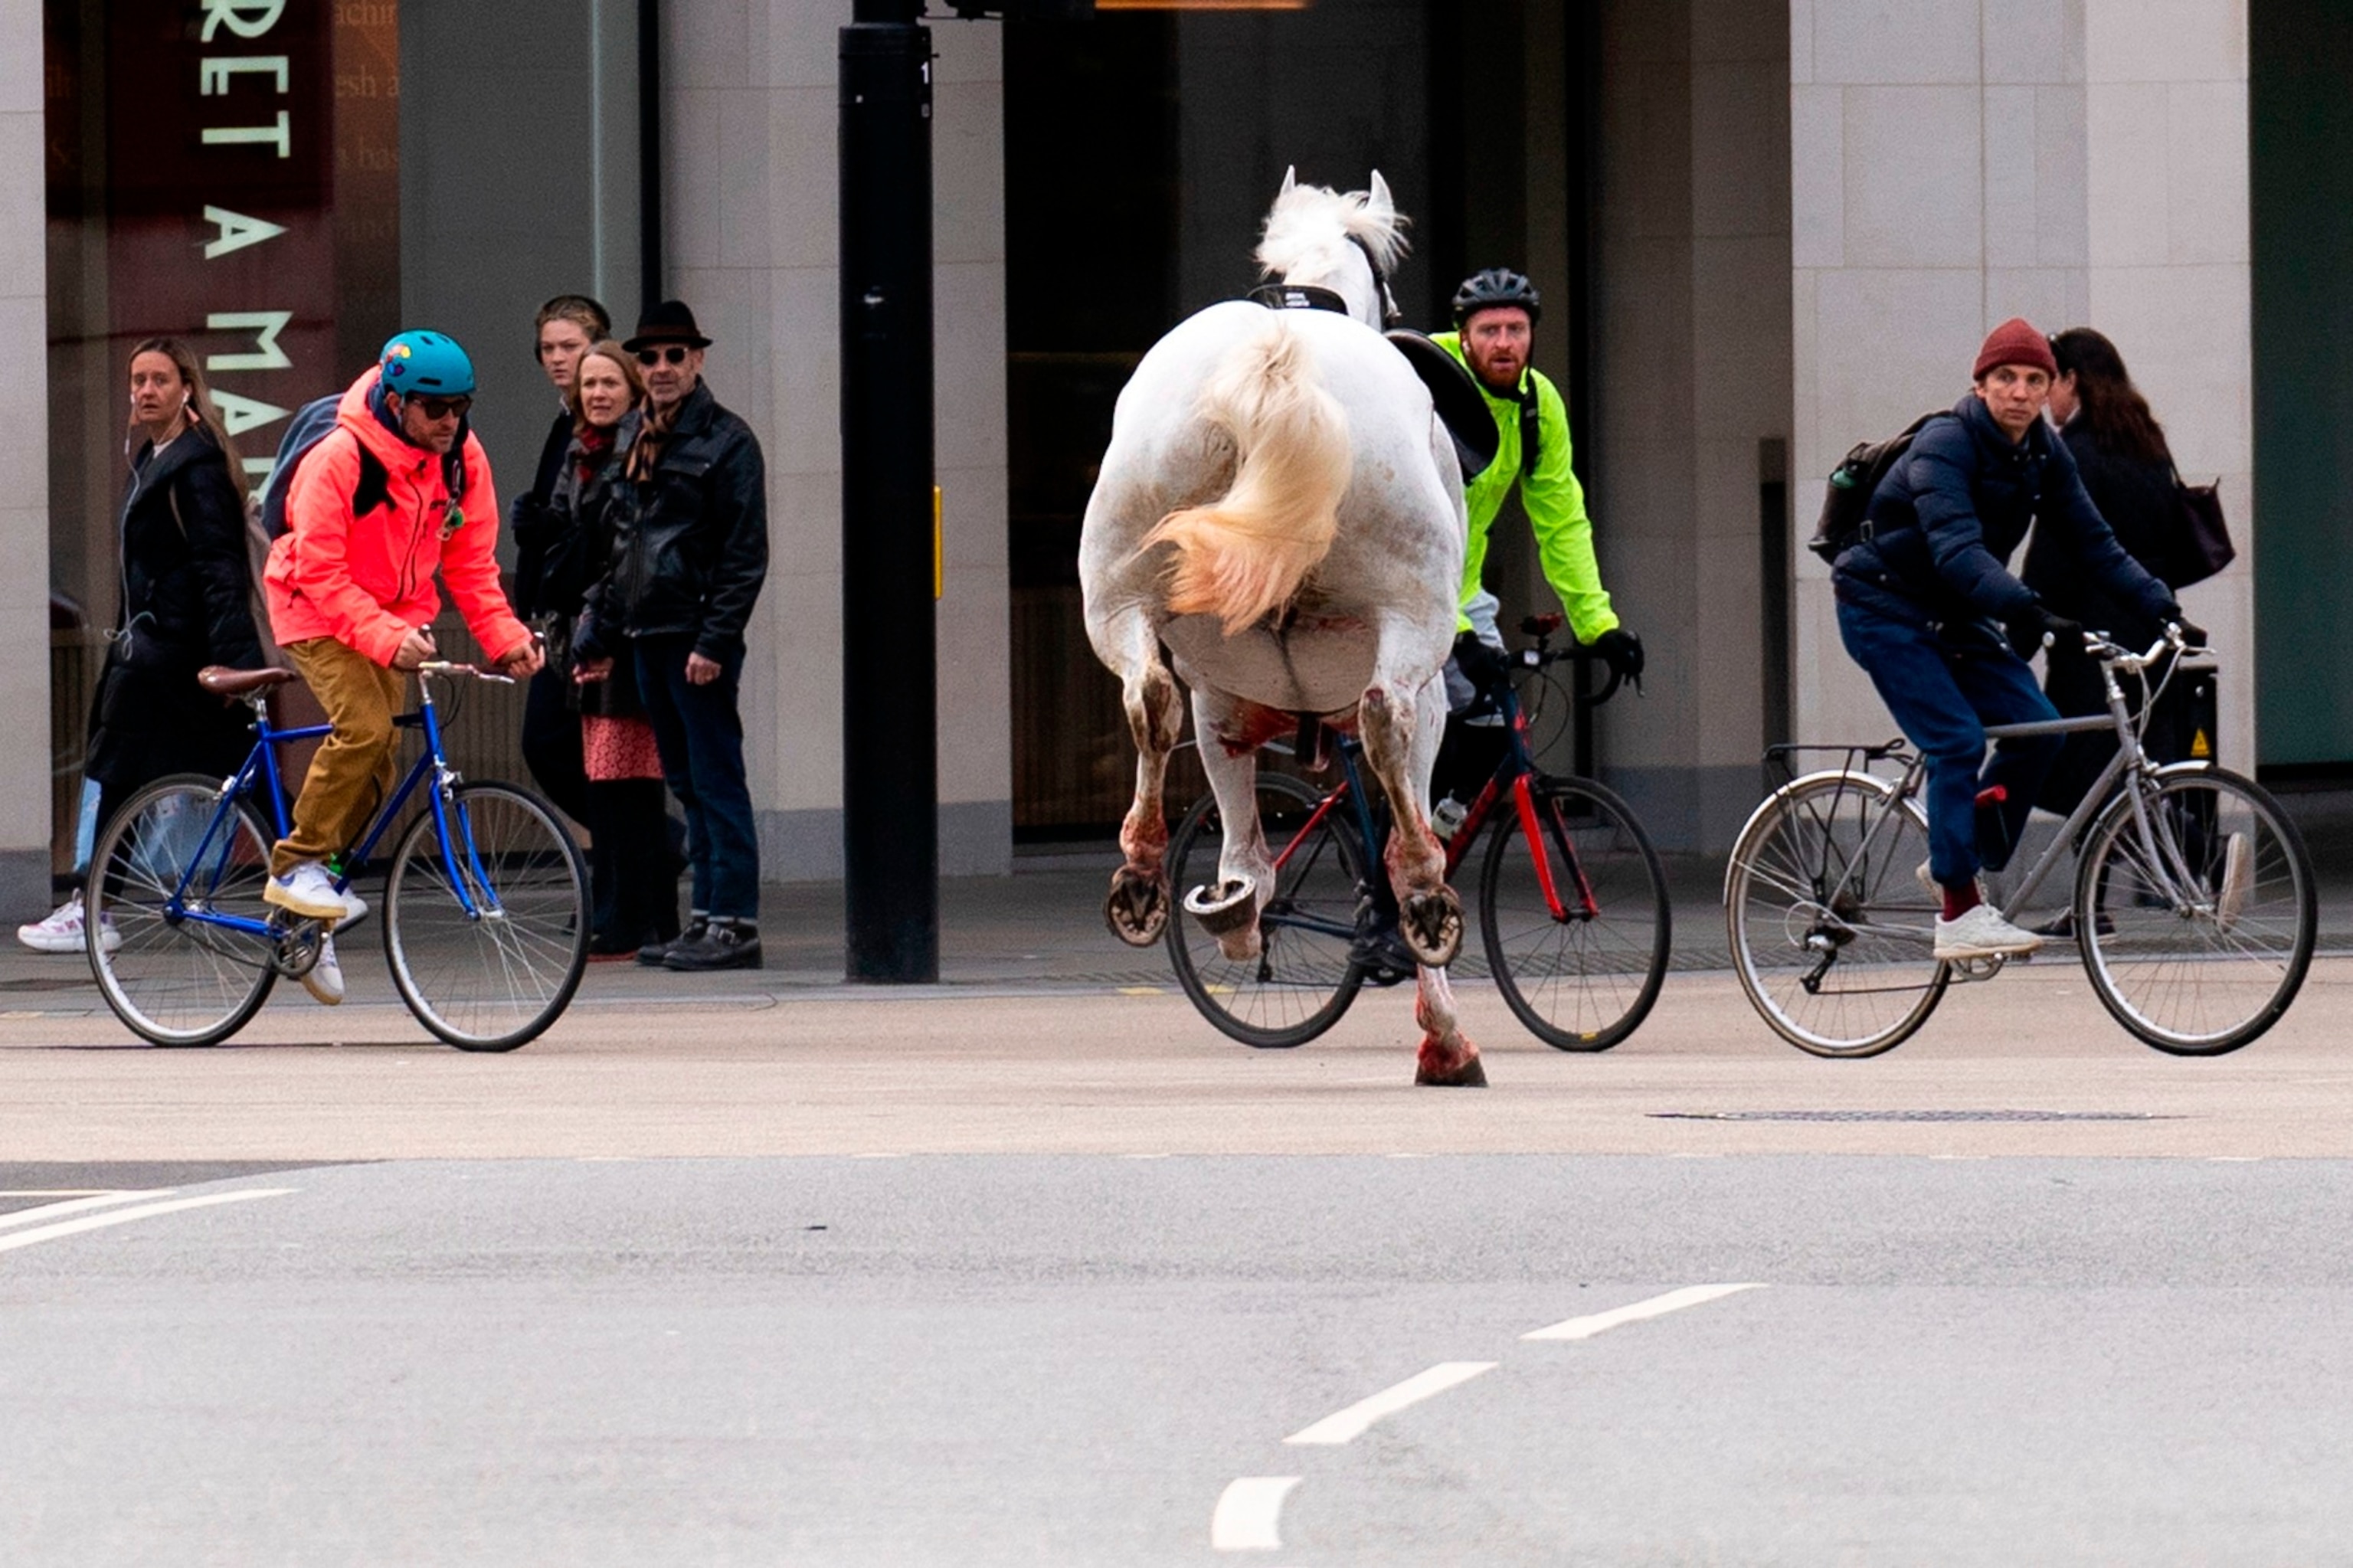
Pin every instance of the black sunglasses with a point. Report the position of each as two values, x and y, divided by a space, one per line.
442 408
674 355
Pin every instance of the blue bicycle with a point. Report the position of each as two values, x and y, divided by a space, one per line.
485 906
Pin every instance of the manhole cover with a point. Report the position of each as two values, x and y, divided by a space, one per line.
1910 1115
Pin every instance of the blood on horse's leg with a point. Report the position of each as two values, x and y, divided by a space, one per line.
1447 1058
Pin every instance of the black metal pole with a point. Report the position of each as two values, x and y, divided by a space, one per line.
890 772
650 161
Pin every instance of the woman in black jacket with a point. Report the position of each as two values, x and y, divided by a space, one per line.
2127 470
185 601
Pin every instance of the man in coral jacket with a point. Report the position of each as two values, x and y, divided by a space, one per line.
371 515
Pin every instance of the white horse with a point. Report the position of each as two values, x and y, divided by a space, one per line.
1281 508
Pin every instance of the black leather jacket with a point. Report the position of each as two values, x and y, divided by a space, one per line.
691 544
186 579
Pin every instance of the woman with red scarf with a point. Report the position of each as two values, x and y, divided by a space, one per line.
633 865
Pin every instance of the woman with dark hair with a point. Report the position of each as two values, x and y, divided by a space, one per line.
186 602
2128 468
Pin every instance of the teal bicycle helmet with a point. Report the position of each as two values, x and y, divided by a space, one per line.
427 364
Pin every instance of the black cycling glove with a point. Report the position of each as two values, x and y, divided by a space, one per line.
2193 634
1622 651
1482 663
2058 630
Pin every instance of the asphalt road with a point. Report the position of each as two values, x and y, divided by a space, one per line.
1074 1359
1033 1267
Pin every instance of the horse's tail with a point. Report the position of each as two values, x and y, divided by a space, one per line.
1245 555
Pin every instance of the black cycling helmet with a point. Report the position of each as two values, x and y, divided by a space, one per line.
1496 286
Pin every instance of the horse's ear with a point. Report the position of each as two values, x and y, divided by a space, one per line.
1290 178
1380 202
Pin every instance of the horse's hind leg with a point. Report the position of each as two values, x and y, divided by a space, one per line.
1401 731
1137 906
1229 732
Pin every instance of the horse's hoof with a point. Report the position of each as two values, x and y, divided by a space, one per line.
1467 1074
1136 909
1232 907
1431 924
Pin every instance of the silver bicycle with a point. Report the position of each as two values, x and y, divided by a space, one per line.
2194 905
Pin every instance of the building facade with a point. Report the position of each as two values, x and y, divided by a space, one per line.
1766 229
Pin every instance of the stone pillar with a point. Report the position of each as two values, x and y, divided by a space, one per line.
1955 162
751 228
24 471
1692 358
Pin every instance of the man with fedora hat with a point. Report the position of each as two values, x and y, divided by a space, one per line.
688 556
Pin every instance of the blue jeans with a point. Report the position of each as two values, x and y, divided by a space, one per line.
700 736
1943 685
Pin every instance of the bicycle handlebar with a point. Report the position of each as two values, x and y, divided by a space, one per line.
450 667
2172 640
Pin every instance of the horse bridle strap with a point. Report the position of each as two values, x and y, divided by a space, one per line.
1390 314
1297 297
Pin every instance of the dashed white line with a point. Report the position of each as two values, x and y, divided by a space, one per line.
79 1205
1250 1514
1656 1307
91 1222
1347 1426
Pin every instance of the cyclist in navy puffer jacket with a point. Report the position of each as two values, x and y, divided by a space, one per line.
1921 600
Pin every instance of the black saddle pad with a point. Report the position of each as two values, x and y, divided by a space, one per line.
1461 407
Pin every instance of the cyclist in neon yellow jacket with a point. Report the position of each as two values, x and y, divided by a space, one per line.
1495 312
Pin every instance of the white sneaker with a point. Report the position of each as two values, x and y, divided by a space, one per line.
61 932
2238 881
325 979
355 910
308 891
1981 933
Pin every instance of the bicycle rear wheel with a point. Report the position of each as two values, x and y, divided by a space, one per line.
1583 980
1305 976
166 971
1833 936
2197 939
487 944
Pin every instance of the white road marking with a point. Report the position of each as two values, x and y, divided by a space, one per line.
1656 1307
1249 1512
79 1205
1347 1426
144 1211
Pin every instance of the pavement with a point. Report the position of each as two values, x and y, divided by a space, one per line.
1046 1035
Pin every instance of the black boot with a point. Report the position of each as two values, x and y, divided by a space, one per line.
721 945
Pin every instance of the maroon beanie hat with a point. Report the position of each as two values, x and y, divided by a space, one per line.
2016 342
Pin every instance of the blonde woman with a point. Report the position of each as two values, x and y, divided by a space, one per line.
633 859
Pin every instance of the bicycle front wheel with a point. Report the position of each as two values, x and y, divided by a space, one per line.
1832 935
487 942
2197 932
171 863
1576 923
1305 975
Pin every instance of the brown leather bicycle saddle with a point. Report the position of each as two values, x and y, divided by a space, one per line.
223 682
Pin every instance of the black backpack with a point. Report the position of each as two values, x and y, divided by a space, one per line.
1852 484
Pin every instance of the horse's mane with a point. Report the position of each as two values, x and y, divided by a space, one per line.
1309 221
